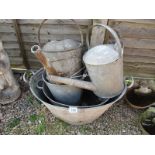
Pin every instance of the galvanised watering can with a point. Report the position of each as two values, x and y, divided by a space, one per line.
105 70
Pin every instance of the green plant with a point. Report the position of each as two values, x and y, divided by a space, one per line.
14 122
129 81
33 118
41 128
31 100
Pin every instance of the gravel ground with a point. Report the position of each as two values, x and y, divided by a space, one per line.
28 116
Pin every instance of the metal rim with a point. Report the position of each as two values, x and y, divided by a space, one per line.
79 108
96 107
42 23
102 64
67 106
134 106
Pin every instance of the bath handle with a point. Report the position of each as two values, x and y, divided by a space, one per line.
29 73
132 82
40 84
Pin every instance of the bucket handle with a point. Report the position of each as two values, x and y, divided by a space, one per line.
114 34
40 26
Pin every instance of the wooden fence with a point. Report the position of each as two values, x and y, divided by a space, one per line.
17 33
138 37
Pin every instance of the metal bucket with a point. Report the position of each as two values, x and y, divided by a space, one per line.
66 62
72 115
66 94
88 99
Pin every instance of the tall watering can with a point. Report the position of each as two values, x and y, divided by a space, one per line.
106 73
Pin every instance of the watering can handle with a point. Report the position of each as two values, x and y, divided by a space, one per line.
81 34
111 31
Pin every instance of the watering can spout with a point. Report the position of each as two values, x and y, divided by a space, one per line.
36 50
72 82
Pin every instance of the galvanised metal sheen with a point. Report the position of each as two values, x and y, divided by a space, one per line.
72 115
106 79
66 94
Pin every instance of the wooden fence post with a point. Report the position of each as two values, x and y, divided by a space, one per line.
98 33
20 42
